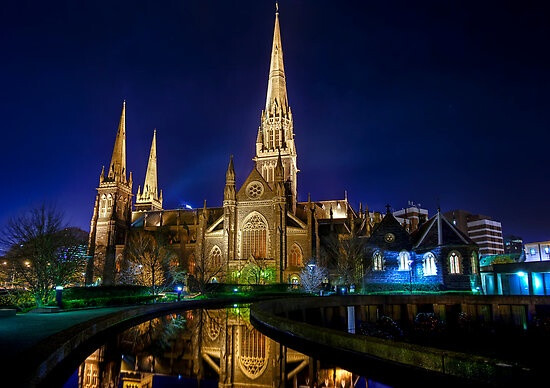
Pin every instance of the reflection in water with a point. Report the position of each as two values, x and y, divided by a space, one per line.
204 348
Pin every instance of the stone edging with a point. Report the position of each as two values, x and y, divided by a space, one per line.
447 363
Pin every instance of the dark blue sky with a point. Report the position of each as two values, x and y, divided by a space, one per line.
393 100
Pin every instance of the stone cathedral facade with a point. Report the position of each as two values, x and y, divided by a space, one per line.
260 221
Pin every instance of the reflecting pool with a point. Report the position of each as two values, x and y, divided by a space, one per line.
205 348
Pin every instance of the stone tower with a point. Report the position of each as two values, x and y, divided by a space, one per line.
276 132
112 213
150 199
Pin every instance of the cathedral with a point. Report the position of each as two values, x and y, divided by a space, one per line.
261 222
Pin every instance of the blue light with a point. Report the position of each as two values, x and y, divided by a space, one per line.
235 290
521 273
188 207
179 288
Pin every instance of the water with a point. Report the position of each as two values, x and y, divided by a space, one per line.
205 348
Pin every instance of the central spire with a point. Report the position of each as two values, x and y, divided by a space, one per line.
275 137
276 88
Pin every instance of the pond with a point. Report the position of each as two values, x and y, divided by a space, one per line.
205 348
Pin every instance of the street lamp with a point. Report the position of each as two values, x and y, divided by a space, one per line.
410 262
179 289
59 296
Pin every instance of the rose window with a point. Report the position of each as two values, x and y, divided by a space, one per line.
254 190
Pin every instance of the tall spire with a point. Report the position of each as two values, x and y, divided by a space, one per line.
149 198
276 87
151 186
117 168
275 138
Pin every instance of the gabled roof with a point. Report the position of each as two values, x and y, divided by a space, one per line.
255 176
380 233
439 231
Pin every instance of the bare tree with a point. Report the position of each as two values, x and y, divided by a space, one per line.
207 268
346 255
42 252
147 256
313 276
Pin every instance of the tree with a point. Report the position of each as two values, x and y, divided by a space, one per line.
206 269
147 256
346 253
313 276
257 271
42 252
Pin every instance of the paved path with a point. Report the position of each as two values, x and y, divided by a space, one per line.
19 333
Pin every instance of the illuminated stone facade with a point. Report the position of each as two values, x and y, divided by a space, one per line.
260 221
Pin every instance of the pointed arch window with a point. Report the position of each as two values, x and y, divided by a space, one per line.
474 263
295 256
428 264
277 138
254 238
270 138
216 258
454 263
377 261
253 351
403 261
103 206
109 203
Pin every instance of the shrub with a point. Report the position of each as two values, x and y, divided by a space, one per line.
427 325
385 327
104 292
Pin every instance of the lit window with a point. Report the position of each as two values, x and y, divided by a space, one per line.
253 352
103 206
270 138
403 259
474 263
533 251
254 238
295 256
428 264
546 250
454 262
377 261
191 264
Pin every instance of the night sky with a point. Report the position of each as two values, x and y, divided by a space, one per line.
394 101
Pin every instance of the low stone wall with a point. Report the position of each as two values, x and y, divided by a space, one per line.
276 317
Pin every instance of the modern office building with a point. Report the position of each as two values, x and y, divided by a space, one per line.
483 230
412 216
537 251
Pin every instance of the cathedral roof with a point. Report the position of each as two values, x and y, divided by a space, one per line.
439 231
